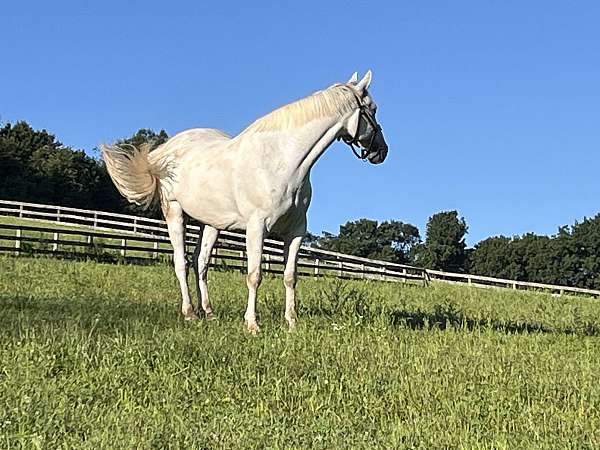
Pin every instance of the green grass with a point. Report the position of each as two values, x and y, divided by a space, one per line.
96 356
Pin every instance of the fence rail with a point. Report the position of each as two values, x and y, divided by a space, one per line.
21 239
145 239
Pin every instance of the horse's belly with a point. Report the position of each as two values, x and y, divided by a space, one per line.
212 210
203 188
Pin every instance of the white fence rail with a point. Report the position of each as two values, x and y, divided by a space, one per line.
138 237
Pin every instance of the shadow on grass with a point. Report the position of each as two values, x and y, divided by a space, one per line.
446 316
108 315
101 315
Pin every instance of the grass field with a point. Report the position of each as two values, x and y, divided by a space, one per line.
96 356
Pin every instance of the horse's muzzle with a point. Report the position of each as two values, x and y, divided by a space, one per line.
378 155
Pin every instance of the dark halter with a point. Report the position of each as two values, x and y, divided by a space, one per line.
352 141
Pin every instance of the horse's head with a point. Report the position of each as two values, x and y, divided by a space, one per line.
361 128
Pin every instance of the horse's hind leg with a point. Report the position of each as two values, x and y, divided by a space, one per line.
202 254
175 223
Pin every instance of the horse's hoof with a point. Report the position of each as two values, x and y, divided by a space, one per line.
210 316
190 316
253 328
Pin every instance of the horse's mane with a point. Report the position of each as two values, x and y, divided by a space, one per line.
338 99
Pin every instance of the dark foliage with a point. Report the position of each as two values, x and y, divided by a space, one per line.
36 167
444 247
389 241
571 257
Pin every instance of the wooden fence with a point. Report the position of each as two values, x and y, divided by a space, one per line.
486 282
143 239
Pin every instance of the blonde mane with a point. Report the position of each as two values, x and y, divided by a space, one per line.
338 99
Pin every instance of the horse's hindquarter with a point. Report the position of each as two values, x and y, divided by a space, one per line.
201 178
204 188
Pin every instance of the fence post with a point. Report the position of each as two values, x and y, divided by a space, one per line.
55 243
243 261
58 214
383 270
155 252
404 275
216 258
21 210
135 225
317 267
213 260
123 246
341 266
267 262
95 220
18 242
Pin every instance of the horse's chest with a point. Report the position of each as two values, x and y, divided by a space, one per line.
290 205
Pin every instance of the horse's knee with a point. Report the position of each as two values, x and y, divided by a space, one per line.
289 279
254 278
180 266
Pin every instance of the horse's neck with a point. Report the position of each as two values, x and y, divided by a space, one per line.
299 149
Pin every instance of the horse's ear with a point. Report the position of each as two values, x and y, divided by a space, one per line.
365 82
353 79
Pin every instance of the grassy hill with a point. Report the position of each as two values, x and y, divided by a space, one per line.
96 356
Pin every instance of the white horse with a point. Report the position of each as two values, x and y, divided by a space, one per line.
258 181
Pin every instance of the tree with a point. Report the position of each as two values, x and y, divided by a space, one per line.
146 136
18 143
388 241
495 257
36 167
444 247
571 257
586 252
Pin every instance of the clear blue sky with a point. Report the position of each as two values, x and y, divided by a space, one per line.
490 108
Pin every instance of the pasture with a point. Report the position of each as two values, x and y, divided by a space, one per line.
97 356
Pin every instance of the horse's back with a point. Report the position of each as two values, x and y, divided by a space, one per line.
193 139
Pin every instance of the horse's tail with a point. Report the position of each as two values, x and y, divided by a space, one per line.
136 178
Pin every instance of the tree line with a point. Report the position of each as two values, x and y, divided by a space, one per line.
36 167
571 257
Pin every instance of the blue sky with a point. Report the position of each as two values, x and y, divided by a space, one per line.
490 108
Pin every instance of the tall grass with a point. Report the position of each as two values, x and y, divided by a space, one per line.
96 356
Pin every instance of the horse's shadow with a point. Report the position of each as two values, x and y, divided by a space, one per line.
107 316
92 314
447 317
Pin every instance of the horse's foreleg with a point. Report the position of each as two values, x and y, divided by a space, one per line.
292 247
176 226
254 246
201 261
